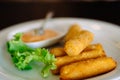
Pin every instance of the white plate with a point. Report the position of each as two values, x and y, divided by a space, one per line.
105 33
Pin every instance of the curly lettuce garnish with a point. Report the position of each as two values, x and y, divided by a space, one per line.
22 55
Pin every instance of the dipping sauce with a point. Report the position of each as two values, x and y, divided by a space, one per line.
32 37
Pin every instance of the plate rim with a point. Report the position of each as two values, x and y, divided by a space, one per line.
58 18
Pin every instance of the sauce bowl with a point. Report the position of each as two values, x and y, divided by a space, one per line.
30 25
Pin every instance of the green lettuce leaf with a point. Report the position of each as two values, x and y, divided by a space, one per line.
16 44
22 55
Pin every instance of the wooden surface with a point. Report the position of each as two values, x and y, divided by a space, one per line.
17 12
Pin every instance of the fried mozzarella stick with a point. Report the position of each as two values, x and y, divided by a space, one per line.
92 51
80 41
58 51
73 30
86 69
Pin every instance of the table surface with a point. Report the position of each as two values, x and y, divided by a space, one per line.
16 12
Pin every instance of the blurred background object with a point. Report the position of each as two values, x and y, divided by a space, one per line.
17 11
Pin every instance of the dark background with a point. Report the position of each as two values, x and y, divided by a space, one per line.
13 12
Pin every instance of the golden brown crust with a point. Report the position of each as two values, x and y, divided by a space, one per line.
81 59
92 51
78 43
58 51
73 30
88 68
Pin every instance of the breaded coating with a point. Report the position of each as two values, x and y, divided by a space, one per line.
92 51
73 47
86 69
93 46
76 45
73 30
58 51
